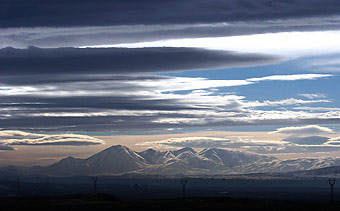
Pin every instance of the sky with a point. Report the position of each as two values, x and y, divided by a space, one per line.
258 76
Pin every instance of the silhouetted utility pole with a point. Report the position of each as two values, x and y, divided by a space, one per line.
331 182
145 187
95 179
184 183
18 186
135 187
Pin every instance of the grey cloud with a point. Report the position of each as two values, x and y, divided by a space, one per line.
310 140
126 103
300 145
206 142
73 78
138 123
195 142
94 102
84 36
293 148
29 13
5 147
119 60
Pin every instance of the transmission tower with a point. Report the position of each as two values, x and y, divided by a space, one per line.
184 183
331 182
95 179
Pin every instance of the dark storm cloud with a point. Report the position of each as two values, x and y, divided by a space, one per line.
33 13
119 60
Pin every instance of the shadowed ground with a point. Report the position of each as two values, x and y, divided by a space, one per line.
109 202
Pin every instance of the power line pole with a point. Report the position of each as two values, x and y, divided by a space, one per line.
184 183
18 186
331 182
145 187
95 179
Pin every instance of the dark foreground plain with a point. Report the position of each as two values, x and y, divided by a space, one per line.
109 202
77 193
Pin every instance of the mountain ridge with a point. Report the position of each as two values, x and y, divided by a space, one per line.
118 159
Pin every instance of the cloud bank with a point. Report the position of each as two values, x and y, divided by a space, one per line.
264 144
29 13
14 137
124 102
117 60
308 129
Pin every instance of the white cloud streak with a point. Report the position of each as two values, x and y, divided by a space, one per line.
313 96
309 129
15 137
170 101
288 44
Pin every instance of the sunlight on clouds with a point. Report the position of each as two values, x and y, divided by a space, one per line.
309 129
171 101
170 84
289 44
15 137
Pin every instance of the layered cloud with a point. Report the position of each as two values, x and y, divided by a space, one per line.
116 60
65 24
308 129
120 12
125 102
270 143
295 149
289 145
87 70
195 142
209 142
14 137
53 37
309 140
4 147
287 44
303 139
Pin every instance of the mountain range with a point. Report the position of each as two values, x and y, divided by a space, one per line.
118 159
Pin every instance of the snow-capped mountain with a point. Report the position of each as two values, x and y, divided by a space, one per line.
120 159
153 157
115 159
233 158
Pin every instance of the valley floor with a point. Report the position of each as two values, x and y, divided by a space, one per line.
108 202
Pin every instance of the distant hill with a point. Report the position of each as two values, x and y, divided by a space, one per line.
122 160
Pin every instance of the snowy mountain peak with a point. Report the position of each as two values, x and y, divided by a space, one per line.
116 148
186 155
185 149
115 159
120 159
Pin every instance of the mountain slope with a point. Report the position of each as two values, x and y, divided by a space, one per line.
153 157
115 159
233 158
120 159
